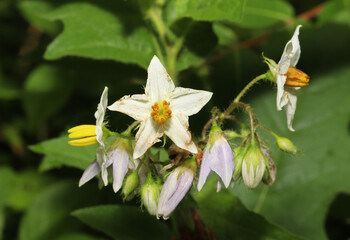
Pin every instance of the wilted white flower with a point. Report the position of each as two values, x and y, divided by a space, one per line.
91 134
163 109
288 78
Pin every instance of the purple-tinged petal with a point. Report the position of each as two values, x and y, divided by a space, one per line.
120 159
222 161
173 191
205 168
91 171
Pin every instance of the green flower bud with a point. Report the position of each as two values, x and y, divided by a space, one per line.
239 154
253 166
231 134
130 184
150 191
286 145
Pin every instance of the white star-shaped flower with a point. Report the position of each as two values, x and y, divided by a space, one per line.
163 109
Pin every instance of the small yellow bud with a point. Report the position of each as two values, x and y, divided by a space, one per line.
296 78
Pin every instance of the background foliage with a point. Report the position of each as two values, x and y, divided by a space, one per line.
56 57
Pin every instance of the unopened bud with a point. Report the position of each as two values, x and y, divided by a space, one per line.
239 155
130 184
150 191
231 134
253 166
286 145
271 171
296 78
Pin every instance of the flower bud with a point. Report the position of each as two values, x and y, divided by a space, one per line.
270 173
286 145
231 134
149 195
239 155
130 184
253 166
175 188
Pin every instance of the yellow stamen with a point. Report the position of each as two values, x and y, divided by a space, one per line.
161 112
83 141
81 127
84 132
296 78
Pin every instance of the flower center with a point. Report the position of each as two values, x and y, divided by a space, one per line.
161 112
296 78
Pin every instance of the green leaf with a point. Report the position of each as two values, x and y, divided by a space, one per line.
224 213
35 13
28 184
120 222
78 236
47 89
60 152
306 184
264 13
2 222
49 214
8 180
249 13
337 11
205 10
93 32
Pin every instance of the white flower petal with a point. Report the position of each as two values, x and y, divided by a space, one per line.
291 53
188 101
280 102
222 160
90 172
159 84
205 168
136 106
101 107
147 135
120 160
290 109
101 160
176 128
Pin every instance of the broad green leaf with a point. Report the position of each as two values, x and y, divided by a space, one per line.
8 180
60 152
249 13
205 10
28 184
78 236
264 13
93 32
47 89
50 162
306 184
49 214
335 11
224 213
35 11
120 222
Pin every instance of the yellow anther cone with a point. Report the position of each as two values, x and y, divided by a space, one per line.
83 141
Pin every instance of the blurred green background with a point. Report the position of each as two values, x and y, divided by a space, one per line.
56 57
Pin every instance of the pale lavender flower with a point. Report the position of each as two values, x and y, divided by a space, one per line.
217 157
175 188
119 158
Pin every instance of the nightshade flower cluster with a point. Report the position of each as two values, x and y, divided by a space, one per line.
138 169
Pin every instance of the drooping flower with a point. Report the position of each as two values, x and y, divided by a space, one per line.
288 78
91 134
163 109
175 188
119 157
217 157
